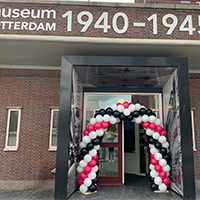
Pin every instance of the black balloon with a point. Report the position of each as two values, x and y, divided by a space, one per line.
149 112
96 141
130 117
152 141
154 186
80 157
153 114
90 146
84 151
158 145
102 112
136 113
100 138
163 151
142 111
109 111
92 188
96 114
116 113
94 181
151 179
167 157
122 117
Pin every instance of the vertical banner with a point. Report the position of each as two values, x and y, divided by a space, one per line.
75 131
172 125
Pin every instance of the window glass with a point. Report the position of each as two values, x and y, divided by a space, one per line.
55 128
12 134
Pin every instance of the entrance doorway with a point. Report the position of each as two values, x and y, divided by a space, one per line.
123 151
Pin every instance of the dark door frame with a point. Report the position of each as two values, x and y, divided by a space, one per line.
68 62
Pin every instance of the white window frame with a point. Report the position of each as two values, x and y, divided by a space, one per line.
52 148
12 148
193 130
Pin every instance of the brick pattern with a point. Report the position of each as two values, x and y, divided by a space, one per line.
36 91
195 103
134 15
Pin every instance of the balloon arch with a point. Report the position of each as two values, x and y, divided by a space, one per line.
104 118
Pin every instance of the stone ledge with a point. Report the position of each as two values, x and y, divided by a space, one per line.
23 185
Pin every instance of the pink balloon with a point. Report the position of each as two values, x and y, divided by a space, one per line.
164 133
166 181
80 181
118 104
145 124
104 124
86 132
151 155
126 104
162 174
154 161
87 169
152 126
95 157
158 168
92 163
90 127
159 129
97 125
82 176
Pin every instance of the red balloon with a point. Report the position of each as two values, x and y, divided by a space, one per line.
80 181
141 123
95 157
126 104
86 132
152 126
164 133
158 168
104 124
109 124
118 104
159 129
145 124
154 161
130 104
166 181
82 176
90 127
162 174
92 163
97 125
87 169
151 155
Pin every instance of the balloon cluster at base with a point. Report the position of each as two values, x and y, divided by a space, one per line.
93 134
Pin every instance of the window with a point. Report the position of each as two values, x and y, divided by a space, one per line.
13 127
53 130
193 131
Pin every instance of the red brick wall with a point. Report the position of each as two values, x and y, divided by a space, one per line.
36 91
195 103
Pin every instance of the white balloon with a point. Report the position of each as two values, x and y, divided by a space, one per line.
113 120
154 150
82 163
83 188
158 156
162 139
151 167
151 146
87 158
92 120
100 132
97 147
118 120
106 118
154 173
166 168
138 120
99 118
92 135
82 145
120 108
79 169
158 122
158 180
166 144
168 173
131 107
156 135
93 152
149 132
95 168
145 118
152 118
114 107
162 187
163 162
127 112
86 139
137 106
87 182
92 175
